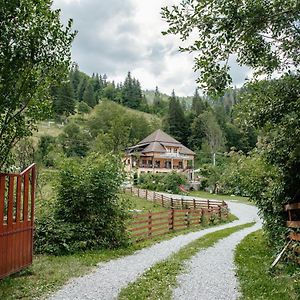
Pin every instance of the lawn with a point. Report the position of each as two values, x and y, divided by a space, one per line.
207 195
141 205
254 258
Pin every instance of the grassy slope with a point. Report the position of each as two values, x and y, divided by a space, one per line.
158 281
253 259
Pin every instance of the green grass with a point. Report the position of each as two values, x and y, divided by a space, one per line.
206 195
48 273
142 204
253 259
158 281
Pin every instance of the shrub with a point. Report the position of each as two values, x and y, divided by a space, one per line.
168 182
87 213
253 176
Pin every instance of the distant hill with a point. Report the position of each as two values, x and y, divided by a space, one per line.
150 96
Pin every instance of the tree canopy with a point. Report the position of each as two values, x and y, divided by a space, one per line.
34 54
262 34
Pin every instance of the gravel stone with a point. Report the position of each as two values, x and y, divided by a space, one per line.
106 281
211 272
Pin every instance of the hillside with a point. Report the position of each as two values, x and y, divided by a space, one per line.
53 128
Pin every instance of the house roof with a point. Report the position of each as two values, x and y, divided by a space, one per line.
157 141
159 136
154 147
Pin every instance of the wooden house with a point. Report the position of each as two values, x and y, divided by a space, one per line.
159 153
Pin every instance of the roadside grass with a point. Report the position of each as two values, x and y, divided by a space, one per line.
158 281
253 259
48 273
136 203
207 195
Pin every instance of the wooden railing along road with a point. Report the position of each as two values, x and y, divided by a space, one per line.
183 213
169 202
16 220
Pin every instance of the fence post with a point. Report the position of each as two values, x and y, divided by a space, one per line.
138 192
149 224
220 212
187 218
146 194
194 203
131 191
153 196
208 203
172 220
172 203
162 200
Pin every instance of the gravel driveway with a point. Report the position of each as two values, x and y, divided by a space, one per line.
106 281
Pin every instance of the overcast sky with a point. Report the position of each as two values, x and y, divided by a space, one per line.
117 36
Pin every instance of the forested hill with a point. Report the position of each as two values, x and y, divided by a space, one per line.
204 125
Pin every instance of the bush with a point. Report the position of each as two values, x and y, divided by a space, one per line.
168 182
87 213
83 107
253 176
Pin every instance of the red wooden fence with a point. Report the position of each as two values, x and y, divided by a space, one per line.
152 224
16 220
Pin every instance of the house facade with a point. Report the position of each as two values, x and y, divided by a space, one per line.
159 153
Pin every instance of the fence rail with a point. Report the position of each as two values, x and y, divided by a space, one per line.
151 224
170 202
17 193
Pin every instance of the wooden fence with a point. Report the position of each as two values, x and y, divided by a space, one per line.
16 220
293 222
175 203
153 224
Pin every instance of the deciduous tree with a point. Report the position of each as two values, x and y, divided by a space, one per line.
34 54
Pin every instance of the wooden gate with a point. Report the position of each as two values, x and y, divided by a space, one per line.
16 220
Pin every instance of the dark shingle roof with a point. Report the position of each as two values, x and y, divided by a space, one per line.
156 141
159 136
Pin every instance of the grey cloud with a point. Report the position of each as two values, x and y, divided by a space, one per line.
96 45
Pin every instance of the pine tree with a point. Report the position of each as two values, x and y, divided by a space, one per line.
157 101
88 95
63 99
81 87
198 105
75 78
131 92
176 122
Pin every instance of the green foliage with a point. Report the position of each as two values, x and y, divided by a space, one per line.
87 213
253 176
176 124
211 177
115 127
131 92
273 107
45 145
237 27
74 140
270 106
168 182
35 54
24 154
83 108
88 96
63 99
253 259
